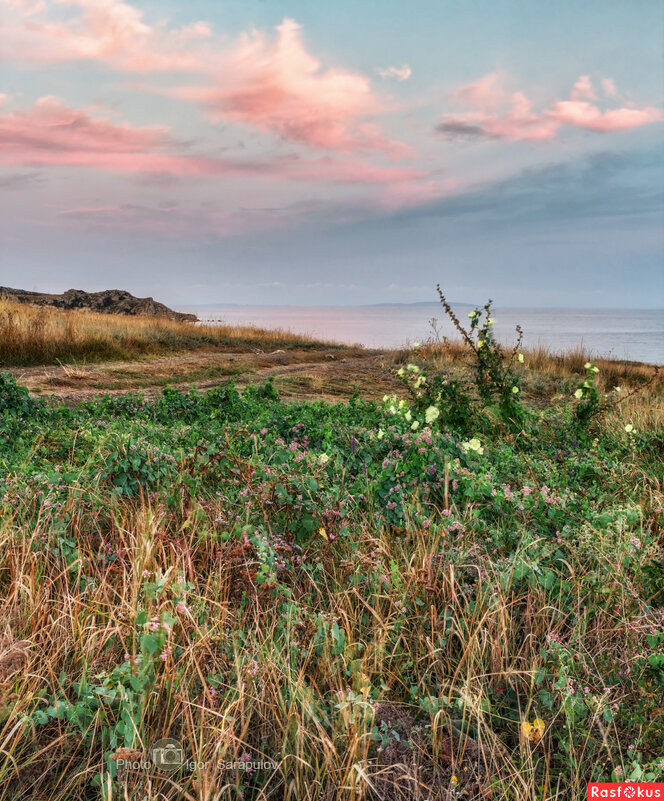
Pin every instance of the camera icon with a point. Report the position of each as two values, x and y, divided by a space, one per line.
167 754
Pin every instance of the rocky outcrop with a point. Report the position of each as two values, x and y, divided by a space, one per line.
110 301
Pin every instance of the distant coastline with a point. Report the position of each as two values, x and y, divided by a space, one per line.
634 334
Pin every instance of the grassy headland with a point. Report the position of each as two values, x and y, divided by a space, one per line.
37 335
454 591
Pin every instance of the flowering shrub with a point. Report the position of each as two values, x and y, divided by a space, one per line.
458 403
588 396
493 366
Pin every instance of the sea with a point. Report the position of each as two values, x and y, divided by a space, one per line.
634 334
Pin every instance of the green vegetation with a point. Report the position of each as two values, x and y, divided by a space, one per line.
449 594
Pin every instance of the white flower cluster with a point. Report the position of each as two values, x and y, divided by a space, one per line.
473 445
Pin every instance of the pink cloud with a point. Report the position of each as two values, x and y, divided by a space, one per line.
279 87
53 134
487 94
499 114
109 31
609 87
583 89
272 84
586 115
402 73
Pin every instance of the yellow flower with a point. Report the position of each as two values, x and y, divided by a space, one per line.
323 458
578 393
431 414
515 390
629 428
381 433
413 368
490 321
472 314
408 416
587 366
454 780
480 343
415 426
401 371
617 389
520 358
416 345
323 533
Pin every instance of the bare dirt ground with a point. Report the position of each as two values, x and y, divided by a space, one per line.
297 373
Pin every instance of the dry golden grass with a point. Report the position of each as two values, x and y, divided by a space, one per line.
546 361
36 335
280 702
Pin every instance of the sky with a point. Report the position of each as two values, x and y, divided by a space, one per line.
315 153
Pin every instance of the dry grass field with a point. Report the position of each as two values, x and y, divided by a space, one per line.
37 335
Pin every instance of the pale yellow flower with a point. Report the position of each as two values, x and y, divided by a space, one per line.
515 390
323 458
520 358
413 368
415 426
401 371
431 414
629 428
473 445
480 343
578 393
416 345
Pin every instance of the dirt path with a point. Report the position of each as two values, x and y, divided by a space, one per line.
302 373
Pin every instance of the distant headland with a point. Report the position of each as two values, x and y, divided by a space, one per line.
109 301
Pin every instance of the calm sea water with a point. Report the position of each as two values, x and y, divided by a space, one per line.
636 334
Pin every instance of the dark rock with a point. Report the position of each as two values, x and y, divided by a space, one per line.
110 301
